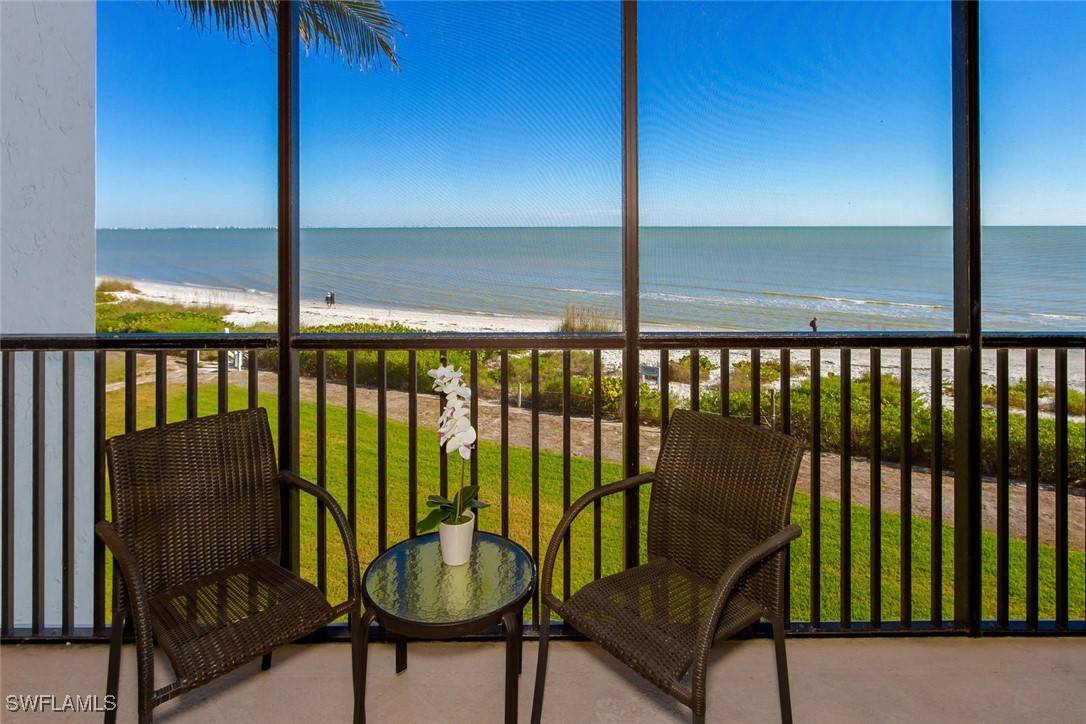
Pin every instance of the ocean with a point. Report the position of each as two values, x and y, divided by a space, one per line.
716 278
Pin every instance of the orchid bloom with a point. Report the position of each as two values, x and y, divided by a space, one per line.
455 433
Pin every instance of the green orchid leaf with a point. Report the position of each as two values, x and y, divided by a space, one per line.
437 515
438 499
478 504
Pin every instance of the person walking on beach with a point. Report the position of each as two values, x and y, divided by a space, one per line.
332 298
814 324
328 300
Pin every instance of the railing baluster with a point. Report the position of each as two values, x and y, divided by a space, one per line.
473 381
322 468
224 381
1061 488
695 380
38 494
412 442
161 391
846 489
816 488
786 427
597 461
192 382
8 451
535 480
68 500
382 451
936 487
906 469
1032 489
352 445
875 502
99 490
254 380
756 386
1003 525
664 383
725 383
566 469
786 391
505 440
129 391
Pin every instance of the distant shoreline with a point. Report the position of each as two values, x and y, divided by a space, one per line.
251 308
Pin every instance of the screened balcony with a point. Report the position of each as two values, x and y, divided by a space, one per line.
941 574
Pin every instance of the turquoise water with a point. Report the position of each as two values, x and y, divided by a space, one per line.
746 278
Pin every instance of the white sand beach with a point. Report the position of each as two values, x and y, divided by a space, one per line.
250 308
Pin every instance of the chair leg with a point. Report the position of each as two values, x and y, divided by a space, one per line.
541 666
782 671
116 637
265 663
360 638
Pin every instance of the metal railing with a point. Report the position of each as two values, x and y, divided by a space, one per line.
534 391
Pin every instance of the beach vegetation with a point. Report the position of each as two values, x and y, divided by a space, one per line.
142 315
679 370
589 318
1017 396
116 285
769 371
919 448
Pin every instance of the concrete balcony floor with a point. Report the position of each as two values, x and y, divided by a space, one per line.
833 680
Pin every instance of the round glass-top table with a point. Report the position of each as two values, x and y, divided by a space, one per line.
412 593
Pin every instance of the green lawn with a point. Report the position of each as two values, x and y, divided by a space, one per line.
581 479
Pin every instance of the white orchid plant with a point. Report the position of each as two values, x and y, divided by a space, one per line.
456 434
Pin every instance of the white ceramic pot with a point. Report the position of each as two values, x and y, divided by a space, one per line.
455 541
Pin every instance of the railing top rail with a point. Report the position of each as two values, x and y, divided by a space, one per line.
1040 340
136 341
462 340
541 340
798 340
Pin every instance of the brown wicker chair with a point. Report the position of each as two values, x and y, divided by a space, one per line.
196 536
718 535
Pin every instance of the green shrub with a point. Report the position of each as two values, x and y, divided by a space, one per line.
679 370
1046 393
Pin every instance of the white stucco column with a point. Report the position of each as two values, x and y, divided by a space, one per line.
47 264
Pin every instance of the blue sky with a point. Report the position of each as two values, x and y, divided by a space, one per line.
772 113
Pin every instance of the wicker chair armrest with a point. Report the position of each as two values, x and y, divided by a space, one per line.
728 580
138 604
354 584
574 510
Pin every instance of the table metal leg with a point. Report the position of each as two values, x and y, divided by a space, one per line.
360 639
401 654
520 642
512 625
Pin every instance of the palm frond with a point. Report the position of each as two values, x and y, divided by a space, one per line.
360 31
239 19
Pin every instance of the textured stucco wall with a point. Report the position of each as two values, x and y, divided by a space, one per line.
47 262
